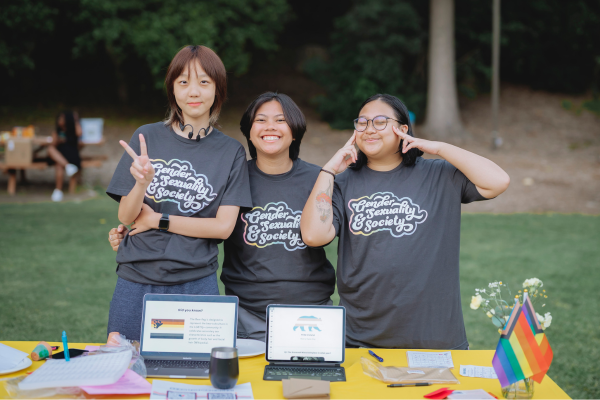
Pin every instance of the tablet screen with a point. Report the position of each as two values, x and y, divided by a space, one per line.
296 333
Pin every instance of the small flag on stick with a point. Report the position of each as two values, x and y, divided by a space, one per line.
523 350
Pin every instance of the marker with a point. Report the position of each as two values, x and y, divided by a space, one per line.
376 356
64 340
410 384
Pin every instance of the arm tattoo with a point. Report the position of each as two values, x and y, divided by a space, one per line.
324 203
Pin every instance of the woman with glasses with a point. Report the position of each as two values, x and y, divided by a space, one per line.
397 216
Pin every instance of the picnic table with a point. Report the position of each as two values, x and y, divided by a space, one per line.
357 386
40 164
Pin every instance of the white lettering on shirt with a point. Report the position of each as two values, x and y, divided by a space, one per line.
384 211
178 182
274 223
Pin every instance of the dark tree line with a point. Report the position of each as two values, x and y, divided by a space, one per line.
106 50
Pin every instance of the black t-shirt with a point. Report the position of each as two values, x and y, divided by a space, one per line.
398 263
266 261
191 179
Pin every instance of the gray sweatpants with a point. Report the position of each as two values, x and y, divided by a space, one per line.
125 315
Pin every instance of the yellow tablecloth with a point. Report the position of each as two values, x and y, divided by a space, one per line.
357 386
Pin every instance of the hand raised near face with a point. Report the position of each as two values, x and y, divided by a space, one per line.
409 142
343 157
141 168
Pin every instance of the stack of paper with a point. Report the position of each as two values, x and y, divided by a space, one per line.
9 357
171 390
93 370
429 359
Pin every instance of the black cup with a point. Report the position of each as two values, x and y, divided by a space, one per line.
224 367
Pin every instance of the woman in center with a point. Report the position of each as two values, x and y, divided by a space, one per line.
266 261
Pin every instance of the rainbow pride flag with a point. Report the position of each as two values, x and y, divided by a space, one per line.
523 350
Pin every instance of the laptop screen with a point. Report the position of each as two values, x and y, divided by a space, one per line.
187 324
295 333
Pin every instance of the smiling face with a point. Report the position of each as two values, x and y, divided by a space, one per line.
270 134
379 144
194 92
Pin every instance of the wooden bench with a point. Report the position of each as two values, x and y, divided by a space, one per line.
86 162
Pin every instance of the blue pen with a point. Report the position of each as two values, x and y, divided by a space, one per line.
376 356
64 339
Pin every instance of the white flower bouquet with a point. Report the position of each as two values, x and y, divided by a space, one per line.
494 301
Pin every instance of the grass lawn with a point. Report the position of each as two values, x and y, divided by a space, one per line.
57 272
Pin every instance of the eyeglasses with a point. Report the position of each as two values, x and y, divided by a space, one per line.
379 123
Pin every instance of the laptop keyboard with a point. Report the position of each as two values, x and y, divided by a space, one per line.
176 364
274 373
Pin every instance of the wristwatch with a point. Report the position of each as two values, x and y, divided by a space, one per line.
163 224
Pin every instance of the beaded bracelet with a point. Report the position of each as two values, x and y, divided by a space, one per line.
328 172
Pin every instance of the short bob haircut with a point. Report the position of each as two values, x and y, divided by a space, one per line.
401 114
214 68
293 117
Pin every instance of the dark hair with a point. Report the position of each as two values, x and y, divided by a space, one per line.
70 133
214 68
293 117
401 114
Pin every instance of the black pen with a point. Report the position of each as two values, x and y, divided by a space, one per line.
410 384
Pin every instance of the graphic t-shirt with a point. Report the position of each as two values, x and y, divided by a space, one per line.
191 179
398 266
266 261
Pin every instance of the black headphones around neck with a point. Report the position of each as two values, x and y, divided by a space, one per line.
191 134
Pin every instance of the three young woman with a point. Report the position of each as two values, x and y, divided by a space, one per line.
397 216
181 183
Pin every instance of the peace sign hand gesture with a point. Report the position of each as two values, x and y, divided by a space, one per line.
409 142
344 157
141 168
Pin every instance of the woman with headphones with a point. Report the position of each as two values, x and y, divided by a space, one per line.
181 184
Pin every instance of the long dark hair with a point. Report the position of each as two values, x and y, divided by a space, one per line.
69 129
401 113
293 117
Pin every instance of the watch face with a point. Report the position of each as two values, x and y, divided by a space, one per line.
163 224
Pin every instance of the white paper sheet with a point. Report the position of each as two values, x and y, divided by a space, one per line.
10 357
426 359
470 394
92 370
475 371
162 390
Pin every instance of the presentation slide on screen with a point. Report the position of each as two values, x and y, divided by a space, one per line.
306 332
188 327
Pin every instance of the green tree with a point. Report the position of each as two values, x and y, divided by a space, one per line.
22 22
153 31
376 48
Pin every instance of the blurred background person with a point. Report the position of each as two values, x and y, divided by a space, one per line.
64 150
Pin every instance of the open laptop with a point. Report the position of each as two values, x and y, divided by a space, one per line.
306 342
179 331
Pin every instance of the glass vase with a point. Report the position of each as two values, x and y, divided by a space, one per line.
519 390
